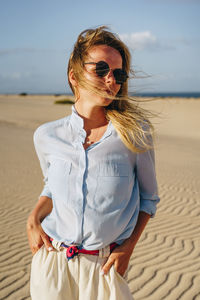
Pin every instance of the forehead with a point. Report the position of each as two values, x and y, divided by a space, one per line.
105 53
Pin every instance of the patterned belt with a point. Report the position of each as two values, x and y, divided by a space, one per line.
72 250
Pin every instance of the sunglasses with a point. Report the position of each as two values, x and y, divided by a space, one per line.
102 69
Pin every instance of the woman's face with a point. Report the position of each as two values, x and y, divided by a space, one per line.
107 83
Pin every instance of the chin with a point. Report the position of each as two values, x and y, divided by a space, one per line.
105 101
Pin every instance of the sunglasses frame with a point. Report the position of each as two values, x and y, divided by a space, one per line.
107 69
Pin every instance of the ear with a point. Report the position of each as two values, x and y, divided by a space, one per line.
72 79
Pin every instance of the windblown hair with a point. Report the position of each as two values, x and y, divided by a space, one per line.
130 121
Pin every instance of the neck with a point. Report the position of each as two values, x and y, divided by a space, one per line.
93 116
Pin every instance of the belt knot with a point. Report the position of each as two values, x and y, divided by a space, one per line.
71 251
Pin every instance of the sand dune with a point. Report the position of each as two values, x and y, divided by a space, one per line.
166 261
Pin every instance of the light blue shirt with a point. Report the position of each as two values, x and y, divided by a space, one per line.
97 193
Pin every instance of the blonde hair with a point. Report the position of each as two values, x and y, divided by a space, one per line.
130 121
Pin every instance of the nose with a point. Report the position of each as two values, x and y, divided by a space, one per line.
110 77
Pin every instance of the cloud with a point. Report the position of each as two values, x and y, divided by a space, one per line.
144 40
175 1
15 76
16 51
24 50
139 40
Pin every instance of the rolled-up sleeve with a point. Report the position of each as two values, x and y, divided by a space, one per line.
39 148
146 175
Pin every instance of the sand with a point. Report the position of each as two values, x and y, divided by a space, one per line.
166 261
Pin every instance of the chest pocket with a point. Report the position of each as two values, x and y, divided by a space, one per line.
58 178
113 186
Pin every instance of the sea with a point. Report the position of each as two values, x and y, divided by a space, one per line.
166 94
169 94
136 94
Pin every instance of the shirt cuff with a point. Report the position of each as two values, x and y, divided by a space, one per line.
149 205
46 192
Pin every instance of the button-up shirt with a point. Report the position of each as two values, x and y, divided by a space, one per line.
97 193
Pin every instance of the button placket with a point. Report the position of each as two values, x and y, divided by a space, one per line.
82 164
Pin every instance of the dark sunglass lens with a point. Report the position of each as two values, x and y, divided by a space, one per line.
120 76
102 68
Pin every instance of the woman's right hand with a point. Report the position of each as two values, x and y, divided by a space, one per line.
36 235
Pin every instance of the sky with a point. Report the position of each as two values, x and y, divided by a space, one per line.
37 37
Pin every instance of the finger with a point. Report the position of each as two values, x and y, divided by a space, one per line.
34 249
34 243
107 266
121 269
47 242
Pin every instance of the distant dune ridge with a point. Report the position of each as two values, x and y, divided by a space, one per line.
166 262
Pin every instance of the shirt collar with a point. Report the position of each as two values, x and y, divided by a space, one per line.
75 120
78 124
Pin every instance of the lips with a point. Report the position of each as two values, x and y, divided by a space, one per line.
109 92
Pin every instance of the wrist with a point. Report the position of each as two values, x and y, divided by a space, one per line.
128 245
33 220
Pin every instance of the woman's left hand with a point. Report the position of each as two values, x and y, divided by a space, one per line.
121 254
119 257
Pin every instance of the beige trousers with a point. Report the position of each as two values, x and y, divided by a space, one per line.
55 278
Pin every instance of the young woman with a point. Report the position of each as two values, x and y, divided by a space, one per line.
100 183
